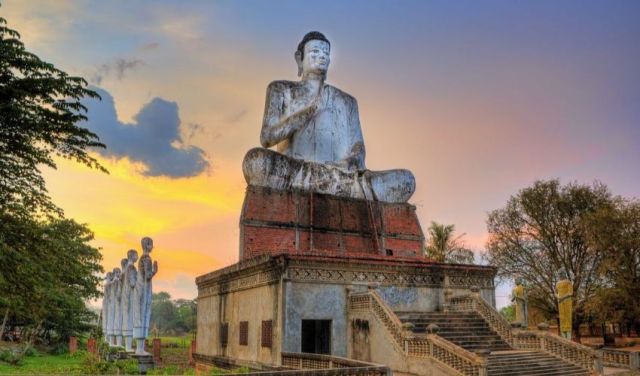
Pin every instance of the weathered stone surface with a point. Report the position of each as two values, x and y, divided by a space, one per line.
114 295
130 276
320 148
106 303
142 295
290 288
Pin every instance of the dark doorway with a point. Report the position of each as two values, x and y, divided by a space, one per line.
316 336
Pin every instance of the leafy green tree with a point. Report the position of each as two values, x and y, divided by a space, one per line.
163 311
442 246
615 233
40 107
541 234
54 271
47 267
508 312
172 316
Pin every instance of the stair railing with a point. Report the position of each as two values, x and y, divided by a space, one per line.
473 302
567 350
432 346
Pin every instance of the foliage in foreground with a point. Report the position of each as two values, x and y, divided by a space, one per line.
47 272
41 106
47 267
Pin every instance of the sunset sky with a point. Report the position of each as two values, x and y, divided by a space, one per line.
478 98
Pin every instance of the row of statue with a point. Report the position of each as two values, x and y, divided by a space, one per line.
564 295
126 306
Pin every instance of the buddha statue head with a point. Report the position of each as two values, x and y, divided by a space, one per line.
312 55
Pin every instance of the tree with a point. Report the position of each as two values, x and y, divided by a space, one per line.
47 267
52 272
39 109
172 316
442 246
163 311
508 312
615 232
542 235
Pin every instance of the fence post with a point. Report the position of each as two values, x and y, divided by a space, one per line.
634 360
192 349
91 346
484 356
156 351
73 345
597 362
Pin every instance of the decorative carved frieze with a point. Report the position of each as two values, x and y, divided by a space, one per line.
267 270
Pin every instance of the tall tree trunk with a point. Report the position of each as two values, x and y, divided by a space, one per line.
4 322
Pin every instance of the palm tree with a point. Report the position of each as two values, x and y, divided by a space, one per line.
442 246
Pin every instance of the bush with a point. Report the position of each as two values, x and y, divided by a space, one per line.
59 349
13 357
30 351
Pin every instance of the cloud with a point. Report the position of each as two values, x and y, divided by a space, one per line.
118 66
149 46
153 139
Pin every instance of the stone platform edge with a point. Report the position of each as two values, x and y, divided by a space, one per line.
371 269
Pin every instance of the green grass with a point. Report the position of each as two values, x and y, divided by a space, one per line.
175 361
44 364
184 341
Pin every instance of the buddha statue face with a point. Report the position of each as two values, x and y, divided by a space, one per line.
316 57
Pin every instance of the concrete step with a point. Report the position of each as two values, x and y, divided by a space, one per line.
530 363
466 329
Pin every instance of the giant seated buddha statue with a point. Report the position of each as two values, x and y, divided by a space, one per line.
315 128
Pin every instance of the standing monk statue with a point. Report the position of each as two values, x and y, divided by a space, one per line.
114 292
142 296
519 297
105 305
565 306
130 274
117 327
316 130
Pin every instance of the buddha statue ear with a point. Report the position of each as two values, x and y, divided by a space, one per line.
298 57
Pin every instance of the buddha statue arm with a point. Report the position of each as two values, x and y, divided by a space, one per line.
357 154
355 159
276 126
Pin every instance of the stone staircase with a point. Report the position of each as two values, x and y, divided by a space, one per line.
512 363
471 332
466 329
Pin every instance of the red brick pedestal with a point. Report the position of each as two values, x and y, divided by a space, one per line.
274 222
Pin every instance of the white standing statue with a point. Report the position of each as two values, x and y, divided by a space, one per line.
114 292
316 130
118 319
105 305
129 275
142 296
